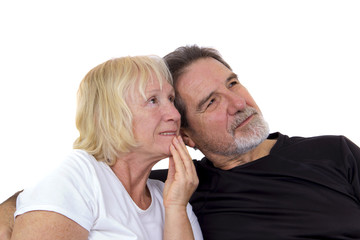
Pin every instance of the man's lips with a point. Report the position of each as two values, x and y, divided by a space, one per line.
246 121
243 118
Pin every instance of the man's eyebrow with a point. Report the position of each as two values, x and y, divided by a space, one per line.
232 76
205 99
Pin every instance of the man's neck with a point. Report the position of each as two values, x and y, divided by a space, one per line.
229 162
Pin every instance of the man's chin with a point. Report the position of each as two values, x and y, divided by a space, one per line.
250 140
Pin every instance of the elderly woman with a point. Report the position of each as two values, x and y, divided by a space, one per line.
127 123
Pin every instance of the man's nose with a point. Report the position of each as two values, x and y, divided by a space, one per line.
236 103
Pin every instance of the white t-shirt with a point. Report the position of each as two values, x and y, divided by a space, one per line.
89 193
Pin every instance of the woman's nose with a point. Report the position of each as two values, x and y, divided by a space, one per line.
171 113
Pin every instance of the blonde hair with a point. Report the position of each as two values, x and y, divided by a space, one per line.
103 117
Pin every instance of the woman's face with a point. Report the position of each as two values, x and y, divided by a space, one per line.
155 119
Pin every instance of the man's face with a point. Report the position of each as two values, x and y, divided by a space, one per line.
224 120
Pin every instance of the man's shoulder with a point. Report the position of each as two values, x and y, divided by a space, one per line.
161 174
290 140
327 140
329 145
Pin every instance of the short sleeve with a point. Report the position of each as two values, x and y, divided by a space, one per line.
68 191
194 223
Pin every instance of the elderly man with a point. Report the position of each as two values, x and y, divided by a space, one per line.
256 185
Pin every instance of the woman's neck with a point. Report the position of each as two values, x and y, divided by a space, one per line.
133 172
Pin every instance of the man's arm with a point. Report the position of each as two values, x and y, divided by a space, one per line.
7 210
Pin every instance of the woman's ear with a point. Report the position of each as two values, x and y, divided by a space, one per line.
187 140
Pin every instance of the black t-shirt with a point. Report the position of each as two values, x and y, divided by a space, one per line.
306 188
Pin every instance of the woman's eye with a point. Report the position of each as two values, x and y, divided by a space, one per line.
172 99
153 100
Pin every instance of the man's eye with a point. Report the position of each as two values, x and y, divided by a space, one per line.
211 102
231 84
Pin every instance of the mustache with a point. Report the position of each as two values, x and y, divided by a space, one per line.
241 117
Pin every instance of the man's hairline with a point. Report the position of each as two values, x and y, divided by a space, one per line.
182 72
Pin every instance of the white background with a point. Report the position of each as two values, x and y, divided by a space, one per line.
299 59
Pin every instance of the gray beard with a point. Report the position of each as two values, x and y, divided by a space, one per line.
257 133
253 134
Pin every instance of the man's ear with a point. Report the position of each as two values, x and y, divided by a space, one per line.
187 140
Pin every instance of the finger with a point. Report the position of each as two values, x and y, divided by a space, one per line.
179 165
185 155
171 170
187 158
191 165
181 148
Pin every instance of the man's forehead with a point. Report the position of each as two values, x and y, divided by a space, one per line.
201 75
196 82
192 92
187 91
195 74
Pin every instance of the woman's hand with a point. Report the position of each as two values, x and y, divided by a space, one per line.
180 184
182 179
